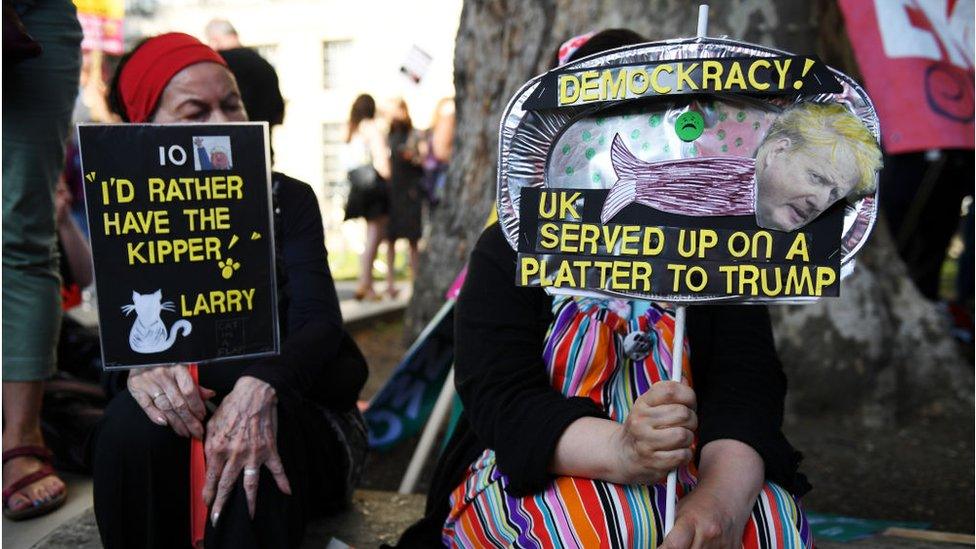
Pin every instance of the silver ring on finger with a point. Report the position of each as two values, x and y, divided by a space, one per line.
157 395
250 471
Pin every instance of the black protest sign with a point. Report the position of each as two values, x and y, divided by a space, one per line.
182 239
643 252
780 75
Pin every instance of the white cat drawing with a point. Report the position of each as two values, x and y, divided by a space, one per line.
149 334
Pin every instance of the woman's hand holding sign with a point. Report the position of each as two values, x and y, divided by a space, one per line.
655 438
657 435
241 437
169 396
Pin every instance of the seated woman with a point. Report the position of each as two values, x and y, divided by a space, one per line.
568 433
285 442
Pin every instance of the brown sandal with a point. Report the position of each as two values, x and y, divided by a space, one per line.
44 455
366 294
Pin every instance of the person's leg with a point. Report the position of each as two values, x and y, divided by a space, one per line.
38 96
141 474
964 278
777 520
22 417
938 222
315 447
374 233
391 289
570 512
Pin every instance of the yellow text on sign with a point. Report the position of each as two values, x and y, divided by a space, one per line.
677 77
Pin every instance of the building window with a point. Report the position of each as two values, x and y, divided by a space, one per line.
269 52
335 62
333 174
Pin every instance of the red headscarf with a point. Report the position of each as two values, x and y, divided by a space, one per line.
153 65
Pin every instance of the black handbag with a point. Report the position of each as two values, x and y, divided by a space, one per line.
365 187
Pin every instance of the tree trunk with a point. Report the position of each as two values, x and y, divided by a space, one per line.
881 353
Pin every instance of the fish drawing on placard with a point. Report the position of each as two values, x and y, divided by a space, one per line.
710 186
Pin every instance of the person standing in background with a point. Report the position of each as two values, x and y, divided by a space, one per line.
39 90
367 161
406 200
256 78
440 140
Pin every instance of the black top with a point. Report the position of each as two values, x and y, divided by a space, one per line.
258 83
510 406
318 359
406 198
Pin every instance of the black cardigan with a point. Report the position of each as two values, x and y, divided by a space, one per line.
510 406
319 361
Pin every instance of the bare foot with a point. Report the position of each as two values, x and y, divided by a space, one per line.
33 494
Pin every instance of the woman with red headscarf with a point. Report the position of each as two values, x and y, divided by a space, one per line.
285 441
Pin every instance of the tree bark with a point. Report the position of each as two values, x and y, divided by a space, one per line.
881 353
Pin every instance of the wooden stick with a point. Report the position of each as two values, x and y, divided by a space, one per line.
677 356
929 535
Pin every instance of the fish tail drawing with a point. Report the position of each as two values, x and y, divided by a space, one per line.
624 191
703 186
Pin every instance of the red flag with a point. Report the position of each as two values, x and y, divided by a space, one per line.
917 60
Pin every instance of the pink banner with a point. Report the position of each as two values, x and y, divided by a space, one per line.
101 34
916 57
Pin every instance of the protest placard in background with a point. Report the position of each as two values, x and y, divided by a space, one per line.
101 22
917 60
182 240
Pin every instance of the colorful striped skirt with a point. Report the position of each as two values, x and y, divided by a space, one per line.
584 356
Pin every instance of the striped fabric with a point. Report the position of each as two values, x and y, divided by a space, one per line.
584 356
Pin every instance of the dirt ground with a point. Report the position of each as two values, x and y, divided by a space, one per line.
920 472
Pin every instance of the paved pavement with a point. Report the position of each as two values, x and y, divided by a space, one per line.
375 518
379 517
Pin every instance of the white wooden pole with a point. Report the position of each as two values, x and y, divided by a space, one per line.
702 20
437 416
677 356
677 350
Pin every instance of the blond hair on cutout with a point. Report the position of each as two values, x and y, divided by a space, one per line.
830 124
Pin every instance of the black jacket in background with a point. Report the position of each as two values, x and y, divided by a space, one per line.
258 83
